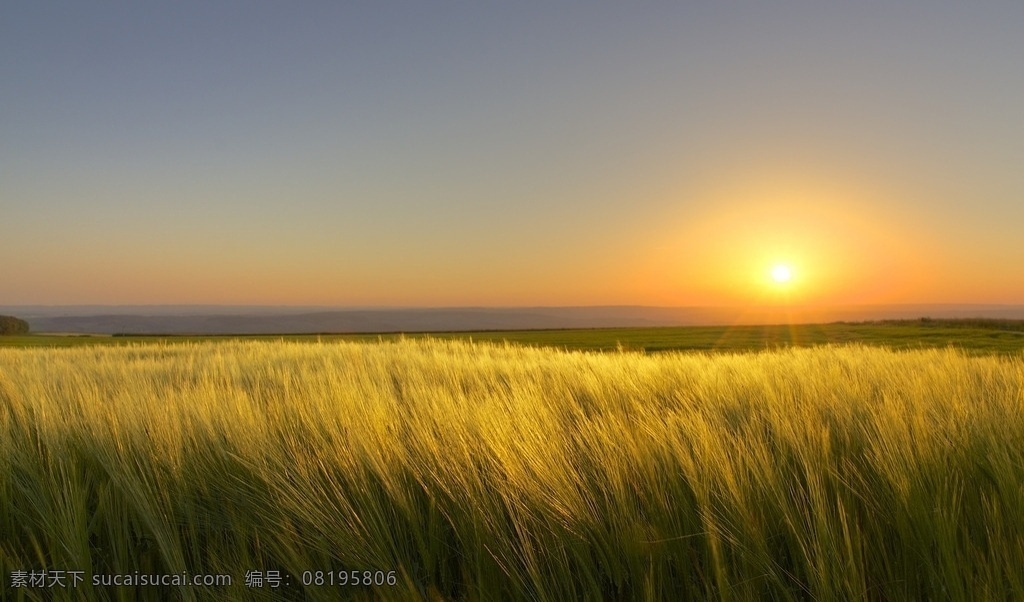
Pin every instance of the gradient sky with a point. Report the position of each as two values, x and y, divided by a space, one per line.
440 154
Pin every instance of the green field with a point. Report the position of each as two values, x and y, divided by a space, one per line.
474 471
972 336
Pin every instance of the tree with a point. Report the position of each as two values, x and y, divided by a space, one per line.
12 325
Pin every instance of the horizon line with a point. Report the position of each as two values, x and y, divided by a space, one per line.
528 306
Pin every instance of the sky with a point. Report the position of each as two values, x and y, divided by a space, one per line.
505 154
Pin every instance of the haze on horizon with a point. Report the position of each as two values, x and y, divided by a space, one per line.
360 154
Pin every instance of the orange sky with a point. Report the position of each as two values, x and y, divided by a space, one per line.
507 156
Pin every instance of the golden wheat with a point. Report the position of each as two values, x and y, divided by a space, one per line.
488 472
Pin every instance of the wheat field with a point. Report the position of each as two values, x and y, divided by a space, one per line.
471 471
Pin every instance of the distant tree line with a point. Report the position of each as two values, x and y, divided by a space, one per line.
984 323
12 325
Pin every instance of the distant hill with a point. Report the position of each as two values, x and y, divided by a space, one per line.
170 319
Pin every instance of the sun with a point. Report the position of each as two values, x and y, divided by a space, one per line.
782 273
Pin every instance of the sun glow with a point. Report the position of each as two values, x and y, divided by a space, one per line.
768 238
782 273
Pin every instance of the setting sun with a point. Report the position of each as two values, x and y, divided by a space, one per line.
782 274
